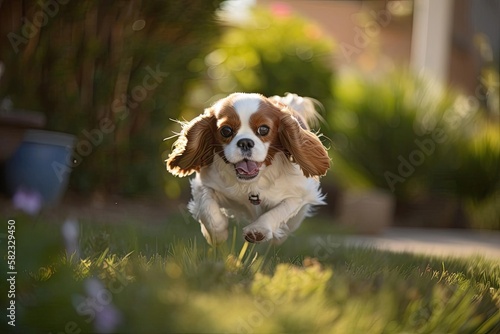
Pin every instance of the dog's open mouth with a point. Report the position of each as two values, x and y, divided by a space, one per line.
247 169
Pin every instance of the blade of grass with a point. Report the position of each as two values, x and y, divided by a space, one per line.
264 258
243 251
101 257
249 256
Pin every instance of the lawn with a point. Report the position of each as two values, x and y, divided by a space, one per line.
135 278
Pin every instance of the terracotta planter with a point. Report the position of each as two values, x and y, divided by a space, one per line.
369 212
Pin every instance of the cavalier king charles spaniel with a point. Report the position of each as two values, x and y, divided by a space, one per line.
254 158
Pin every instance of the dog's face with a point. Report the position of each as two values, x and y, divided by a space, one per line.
247 130
247 127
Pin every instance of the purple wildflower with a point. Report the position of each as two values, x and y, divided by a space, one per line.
70 233
107 317
30 201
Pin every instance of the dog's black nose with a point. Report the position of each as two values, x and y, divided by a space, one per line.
245 144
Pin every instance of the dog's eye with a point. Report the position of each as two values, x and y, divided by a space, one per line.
263 130
226 131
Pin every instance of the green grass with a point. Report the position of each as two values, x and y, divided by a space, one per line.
166 279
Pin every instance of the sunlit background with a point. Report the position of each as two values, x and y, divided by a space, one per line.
90 97
409 94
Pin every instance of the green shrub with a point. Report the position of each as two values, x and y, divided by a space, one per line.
405 134
388 131
269 54
470 169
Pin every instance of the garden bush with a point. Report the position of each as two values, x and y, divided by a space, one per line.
470 168
406 134
470 171
268 53
388 131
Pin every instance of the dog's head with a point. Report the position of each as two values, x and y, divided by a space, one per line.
247 131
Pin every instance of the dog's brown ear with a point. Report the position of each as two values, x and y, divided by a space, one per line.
195 146
304 147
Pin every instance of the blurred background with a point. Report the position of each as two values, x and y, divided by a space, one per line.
409 93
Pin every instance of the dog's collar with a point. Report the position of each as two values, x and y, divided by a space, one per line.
254 199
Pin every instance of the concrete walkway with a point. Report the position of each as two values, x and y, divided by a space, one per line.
449 242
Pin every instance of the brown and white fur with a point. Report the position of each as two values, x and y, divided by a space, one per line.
255 158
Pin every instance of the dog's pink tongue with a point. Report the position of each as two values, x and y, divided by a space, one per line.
247 167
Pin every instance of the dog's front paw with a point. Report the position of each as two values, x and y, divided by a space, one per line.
255 234
254 237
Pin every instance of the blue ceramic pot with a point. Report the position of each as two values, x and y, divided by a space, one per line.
41 165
